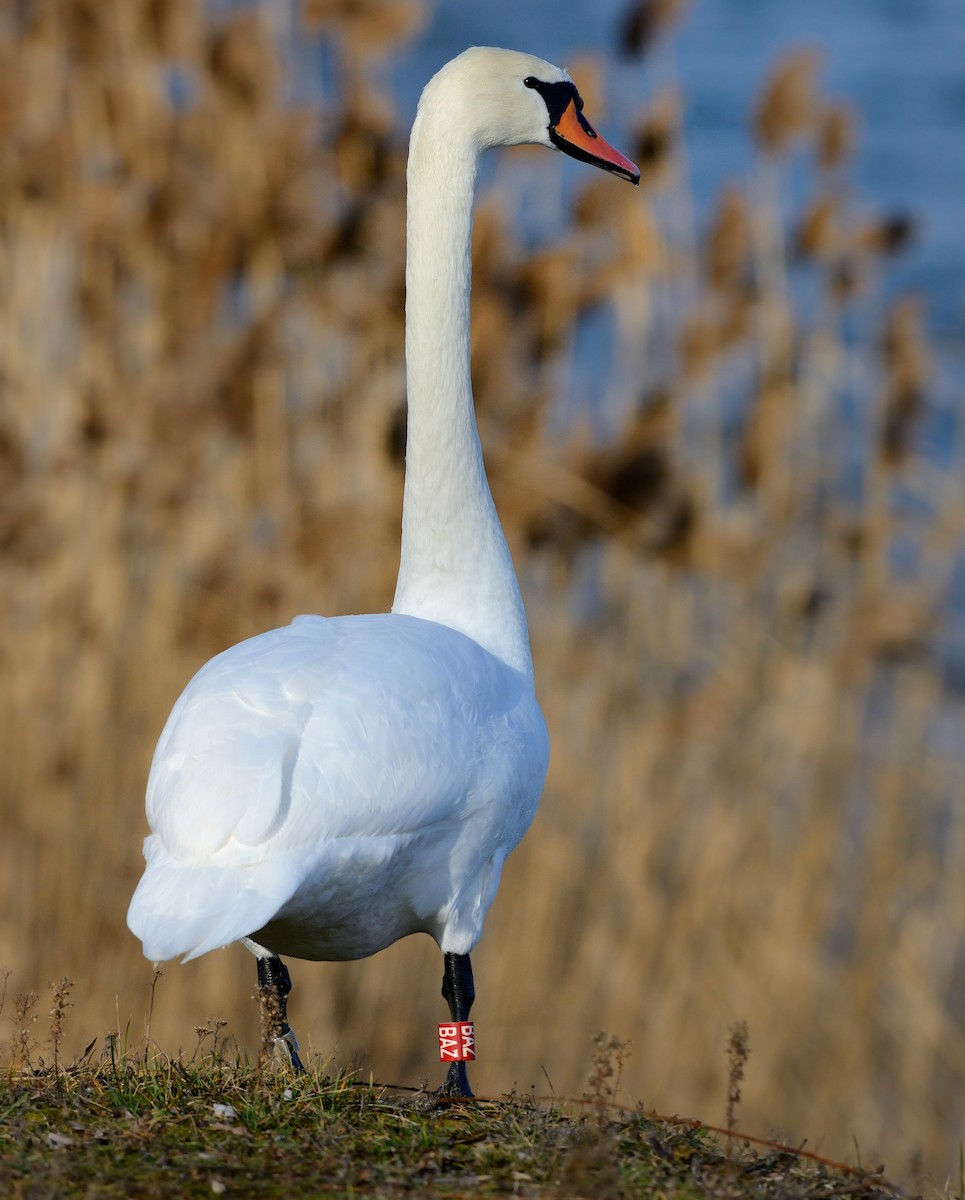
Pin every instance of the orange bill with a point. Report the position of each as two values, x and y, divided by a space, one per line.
574 135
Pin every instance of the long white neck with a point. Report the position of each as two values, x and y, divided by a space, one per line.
456 568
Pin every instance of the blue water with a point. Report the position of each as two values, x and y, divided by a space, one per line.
900 64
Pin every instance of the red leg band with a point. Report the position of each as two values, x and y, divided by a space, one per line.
457 1042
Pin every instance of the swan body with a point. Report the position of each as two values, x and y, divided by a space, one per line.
324 789
332 786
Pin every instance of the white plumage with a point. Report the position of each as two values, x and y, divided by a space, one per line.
327 788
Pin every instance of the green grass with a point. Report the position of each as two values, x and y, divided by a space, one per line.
207 1127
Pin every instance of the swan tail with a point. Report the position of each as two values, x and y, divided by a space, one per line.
187 909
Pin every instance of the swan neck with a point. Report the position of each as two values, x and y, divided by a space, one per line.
455 567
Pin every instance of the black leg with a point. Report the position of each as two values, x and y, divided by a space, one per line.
275 983
459 993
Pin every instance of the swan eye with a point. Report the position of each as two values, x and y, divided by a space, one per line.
531 81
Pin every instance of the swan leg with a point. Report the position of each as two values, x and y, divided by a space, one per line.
459 993
275 983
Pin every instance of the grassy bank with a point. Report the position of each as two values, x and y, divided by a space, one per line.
121 1121
209 1127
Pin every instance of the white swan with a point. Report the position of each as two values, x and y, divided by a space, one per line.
327 788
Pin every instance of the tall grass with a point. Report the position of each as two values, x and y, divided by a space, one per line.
736 560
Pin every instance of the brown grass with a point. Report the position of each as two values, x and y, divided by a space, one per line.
734 556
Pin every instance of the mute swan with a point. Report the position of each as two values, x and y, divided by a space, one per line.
324 789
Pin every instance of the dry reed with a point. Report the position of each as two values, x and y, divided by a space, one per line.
734 554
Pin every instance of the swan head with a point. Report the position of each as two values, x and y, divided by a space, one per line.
506 98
